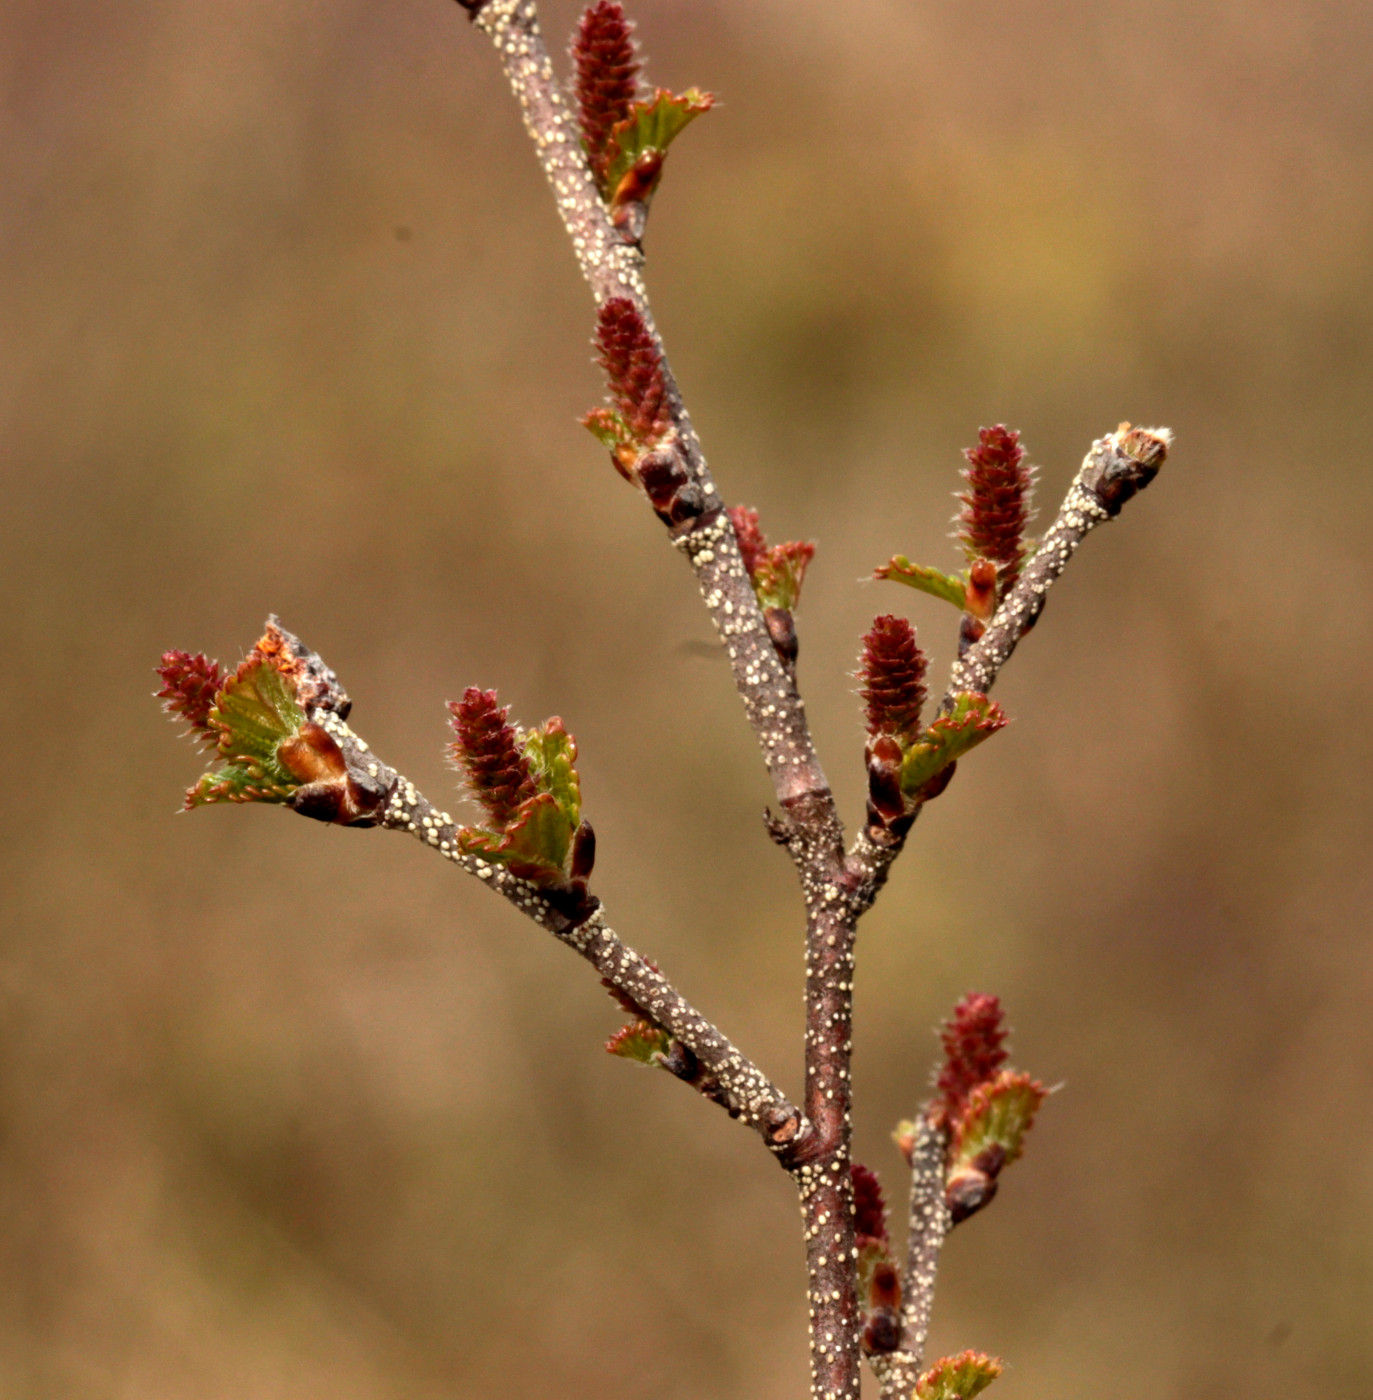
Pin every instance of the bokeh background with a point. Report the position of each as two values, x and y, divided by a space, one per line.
289 324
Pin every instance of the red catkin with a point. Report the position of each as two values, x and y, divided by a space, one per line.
996 505
892 672
633 369
974 1050
487 752
752 542
188 689
607 78
869 1209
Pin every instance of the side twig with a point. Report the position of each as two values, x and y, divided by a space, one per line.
716 1068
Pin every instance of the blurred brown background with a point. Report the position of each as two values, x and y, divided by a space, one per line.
288 323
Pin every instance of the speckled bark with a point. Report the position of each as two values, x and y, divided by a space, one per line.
819 1156
929 1224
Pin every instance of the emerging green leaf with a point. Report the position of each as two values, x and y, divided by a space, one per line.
642 139
611 430
552 754
640 1041
535 845
253 714
780 572
958 1377
992 1127
973 718
899 569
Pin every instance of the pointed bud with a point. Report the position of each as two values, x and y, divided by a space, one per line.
996 505
487 751
974 1049
958 1377
607 79
634 371
981 589
892 672
188 689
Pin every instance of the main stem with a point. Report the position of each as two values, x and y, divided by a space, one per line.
820 1156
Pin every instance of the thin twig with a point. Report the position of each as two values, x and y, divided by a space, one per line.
838 889
1116 468
578 920
614 268
929 1224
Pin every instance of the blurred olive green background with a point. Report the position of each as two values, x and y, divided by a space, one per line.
289 324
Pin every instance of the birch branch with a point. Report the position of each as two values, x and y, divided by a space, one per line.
812 831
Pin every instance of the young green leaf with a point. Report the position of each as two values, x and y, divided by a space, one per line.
640 1041
899 569
253 714
649 129
958 1377
973 719
992 1127
552 754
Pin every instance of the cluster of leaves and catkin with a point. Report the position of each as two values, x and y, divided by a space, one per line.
776 571
909 764
983 1108
638 417
626 139
990 527
637 425
260 721
256 720
528 788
